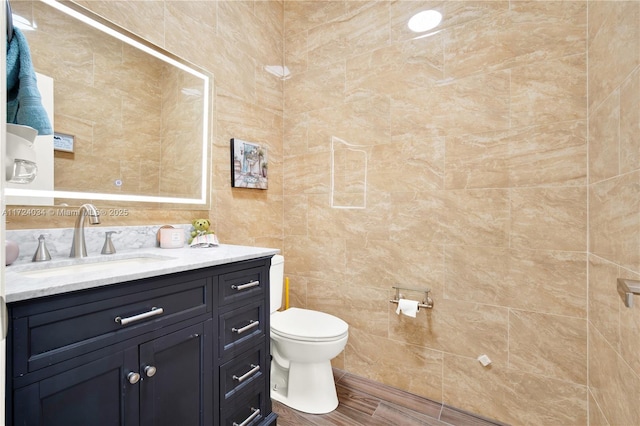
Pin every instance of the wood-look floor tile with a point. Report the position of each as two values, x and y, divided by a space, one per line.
364 402
357 400
393 414
392 395
290 417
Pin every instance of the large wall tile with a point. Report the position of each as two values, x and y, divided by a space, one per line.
614 232
303 15
538 344
469 105
409 216
410 367
604 139
630 123
604 301
407 164
139 17
553 154
314 89
596 416
549 218
476 217
629 326
363 28
396 68
295 51
544 155
613 384
362 307
201 20
547 29
553 282
528 32
614 46
361 122
502 393
302 255
549 91
479 45
461 328
477 161
383 264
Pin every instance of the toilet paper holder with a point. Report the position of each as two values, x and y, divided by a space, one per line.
427 302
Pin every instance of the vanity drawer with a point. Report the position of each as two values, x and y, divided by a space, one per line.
46 338
241 328
244 371
243 284
251 409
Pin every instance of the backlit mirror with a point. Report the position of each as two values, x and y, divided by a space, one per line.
131 120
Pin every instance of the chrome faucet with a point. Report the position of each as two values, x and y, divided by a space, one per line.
79 246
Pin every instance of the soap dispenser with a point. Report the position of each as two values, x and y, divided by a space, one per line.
108 247
41 253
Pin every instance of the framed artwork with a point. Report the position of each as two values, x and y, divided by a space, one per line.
248 164
63 142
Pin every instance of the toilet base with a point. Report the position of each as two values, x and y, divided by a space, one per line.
309 388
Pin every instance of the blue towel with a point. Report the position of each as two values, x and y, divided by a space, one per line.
24 104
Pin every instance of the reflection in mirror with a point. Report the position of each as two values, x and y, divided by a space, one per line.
135 115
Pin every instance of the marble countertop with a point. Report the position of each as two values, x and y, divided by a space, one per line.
22 281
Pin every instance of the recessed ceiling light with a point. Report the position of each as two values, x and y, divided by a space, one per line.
425 21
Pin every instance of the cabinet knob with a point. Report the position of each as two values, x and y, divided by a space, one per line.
150 370
133 378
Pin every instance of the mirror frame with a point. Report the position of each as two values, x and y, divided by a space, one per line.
88 17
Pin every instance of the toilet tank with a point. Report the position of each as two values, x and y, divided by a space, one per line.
276 282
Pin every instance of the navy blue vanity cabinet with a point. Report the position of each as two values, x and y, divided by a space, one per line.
144 352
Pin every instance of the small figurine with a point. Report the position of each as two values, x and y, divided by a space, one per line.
200 227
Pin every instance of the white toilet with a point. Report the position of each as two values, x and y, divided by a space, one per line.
303 342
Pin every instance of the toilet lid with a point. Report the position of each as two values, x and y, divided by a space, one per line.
308 325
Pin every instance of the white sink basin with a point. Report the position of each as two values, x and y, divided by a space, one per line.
87 266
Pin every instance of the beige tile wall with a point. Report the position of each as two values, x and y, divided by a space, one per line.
476 187
614 210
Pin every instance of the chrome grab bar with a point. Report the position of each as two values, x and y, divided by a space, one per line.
152 313
251 325
245 286
256 413
245 376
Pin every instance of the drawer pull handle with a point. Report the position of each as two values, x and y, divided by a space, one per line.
245 286
254 370
152 313
256 413
249 326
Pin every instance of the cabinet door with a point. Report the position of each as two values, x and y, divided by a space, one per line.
176 372
97 393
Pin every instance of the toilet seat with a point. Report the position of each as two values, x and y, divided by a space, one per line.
308 325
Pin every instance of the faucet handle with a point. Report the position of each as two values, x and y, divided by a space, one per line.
41 253
108 247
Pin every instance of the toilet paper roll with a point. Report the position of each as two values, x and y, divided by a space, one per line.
407 307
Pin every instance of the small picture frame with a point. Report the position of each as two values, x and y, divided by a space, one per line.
248 165
63 142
